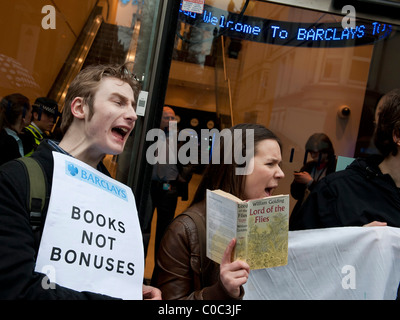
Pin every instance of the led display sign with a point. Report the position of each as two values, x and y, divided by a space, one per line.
317 34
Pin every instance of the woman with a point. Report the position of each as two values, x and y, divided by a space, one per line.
323 163
179 272
15 114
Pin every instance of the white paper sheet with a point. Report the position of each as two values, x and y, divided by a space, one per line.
92 239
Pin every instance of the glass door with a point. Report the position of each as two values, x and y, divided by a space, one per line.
296 71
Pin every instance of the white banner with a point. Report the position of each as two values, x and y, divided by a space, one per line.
334 263
91 239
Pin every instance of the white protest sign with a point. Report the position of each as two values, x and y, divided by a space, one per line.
92 239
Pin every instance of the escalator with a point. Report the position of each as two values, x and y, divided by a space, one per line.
110 46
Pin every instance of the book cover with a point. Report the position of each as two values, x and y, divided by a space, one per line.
260 226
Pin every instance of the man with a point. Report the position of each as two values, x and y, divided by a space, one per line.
99 115
367 192
169 180
44 115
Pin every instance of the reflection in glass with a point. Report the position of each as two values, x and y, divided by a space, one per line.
287 68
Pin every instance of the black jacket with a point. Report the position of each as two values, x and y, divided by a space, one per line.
298 190
9 149
352 197
18 248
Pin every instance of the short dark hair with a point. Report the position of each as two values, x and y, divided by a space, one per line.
223 175
320 142
388 123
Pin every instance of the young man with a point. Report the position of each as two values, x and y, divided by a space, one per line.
367 192
44 114
98 117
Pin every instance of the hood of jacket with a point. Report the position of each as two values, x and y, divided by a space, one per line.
369 168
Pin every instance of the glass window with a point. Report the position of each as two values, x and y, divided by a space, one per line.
288 68
45 46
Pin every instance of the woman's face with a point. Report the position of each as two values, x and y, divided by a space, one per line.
266 173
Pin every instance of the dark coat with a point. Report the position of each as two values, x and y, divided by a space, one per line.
9 147
177 271
298 190
352 197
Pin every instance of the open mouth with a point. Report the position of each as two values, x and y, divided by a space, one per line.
269 191
120 131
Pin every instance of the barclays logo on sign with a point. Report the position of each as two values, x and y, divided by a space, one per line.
72 170
82 174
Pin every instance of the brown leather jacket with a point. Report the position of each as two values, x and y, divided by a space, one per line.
177 270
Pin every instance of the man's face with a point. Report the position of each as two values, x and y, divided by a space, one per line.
46 121
168 115
113 117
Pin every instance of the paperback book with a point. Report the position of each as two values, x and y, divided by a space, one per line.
260 226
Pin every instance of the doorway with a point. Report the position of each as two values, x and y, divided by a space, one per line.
288 68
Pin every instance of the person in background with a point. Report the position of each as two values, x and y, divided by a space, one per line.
44 115
323 163
169 181
366 193
179 272
15 114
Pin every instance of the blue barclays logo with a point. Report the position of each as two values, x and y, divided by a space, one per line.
92 178
73 171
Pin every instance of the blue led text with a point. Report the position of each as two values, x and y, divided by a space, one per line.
222 22
330 34
292 33
283 34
